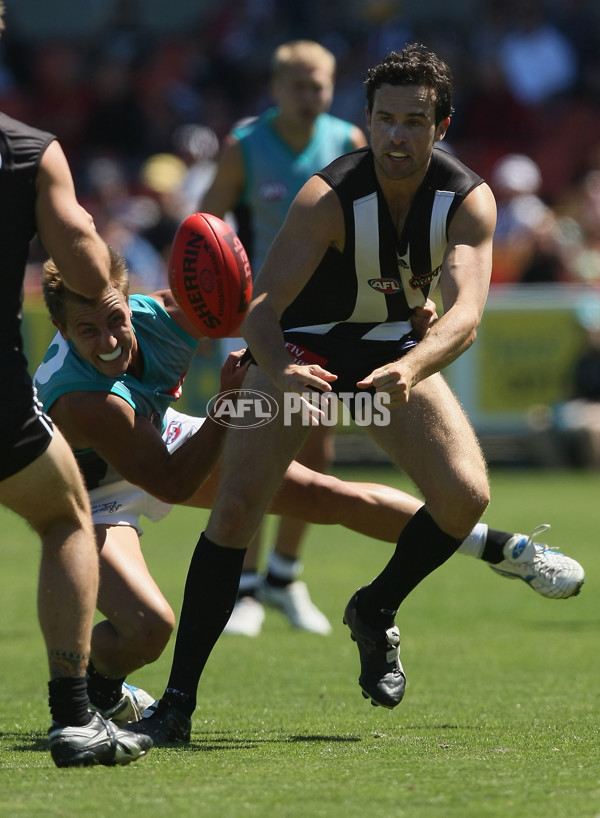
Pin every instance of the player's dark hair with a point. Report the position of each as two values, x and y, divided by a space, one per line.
414 65
56 294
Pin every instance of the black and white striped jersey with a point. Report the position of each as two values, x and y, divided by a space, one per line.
368 290
21 148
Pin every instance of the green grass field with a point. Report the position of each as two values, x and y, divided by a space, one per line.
500 718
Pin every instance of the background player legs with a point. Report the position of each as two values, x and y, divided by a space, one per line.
280 588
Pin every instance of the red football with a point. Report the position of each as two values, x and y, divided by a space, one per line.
209 275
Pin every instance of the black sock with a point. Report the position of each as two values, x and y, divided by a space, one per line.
68 700
494 543
422 547
282 570
104 693
248 592
210 592
277 581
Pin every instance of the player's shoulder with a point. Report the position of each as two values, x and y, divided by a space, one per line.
244 128
351 170
17 128
447 171
156 306
142 303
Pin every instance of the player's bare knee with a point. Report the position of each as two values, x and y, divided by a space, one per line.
236 507
153 634
458 507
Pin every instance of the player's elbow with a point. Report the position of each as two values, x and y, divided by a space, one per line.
471 336
471 328
173 492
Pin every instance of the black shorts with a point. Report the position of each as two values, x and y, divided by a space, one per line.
25 431
350 359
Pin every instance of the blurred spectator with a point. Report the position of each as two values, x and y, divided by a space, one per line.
122 217
527 81
61 99
161 177
538 61
197 146
117 123
579 418
527 244
147 269
583 213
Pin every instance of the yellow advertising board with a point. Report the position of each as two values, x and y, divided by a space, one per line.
524 354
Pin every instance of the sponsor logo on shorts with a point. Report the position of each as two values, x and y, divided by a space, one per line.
304 356
107 508
173 431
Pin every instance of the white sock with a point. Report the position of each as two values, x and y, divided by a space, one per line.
283 567
475 543
248 582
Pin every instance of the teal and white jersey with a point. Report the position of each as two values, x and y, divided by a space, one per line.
167 351
275 173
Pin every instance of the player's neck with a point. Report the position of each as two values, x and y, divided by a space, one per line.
297 138
136 366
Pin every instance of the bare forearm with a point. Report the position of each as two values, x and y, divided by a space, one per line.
263 333
452 335
184 470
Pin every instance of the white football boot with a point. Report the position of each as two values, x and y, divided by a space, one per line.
130 706
544 569
294 602
246 618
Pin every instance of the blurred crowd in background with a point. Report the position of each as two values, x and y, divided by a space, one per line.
141 115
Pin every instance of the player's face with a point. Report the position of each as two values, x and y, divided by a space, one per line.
102 333
403 131
302 92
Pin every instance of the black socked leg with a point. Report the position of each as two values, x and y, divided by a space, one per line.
68 700
210 593
422 547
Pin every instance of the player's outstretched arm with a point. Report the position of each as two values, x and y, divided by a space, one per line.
66 229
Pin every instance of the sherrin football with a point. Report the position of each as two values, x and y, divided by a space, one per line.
210 275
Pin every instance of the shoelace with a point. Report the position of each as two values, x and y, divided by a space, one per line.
546 570
543 546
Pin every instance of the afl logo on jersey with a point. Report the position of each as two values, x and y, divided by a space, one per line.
385 286
273 191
